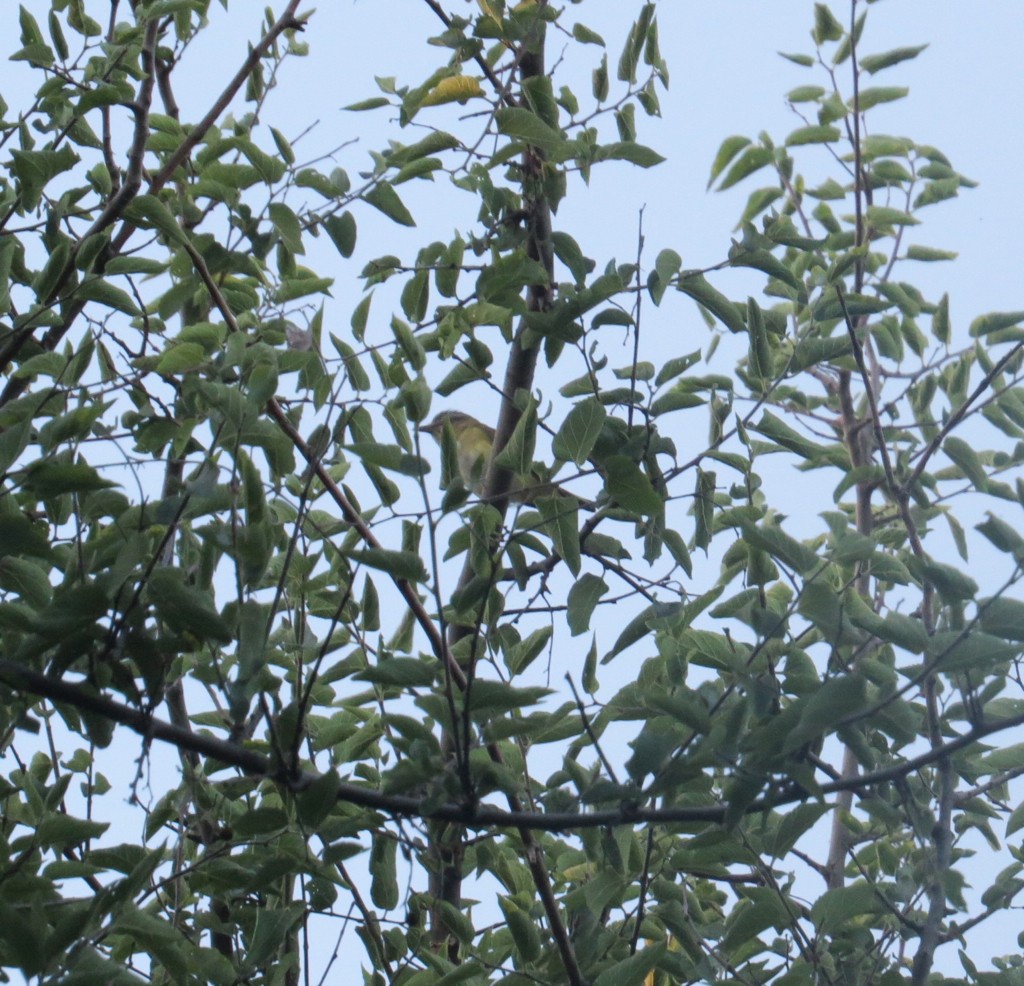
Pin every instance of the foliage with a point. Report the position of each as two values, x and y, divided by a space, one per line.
219 531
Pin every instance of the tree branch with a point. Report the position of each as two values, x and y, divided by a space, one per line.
476 816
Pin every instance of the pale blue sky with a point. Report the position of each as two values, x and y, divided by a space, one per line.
966 98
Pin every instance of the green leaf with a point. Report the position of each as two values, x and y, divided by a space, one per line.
963 454
492 698
148 212
953 584
640 626
826 26
522 124
30 33
185 608
566 249
813 135
698 288
940 321
872 96
405 565
976 651
260 821
805 61
462 928
678 549
775 429
375 102
287 225
562 521
54 272
884 145
781 546
805 94
906 632
761 908
517 455
72 610
310 178
630 488
875 63
319 799
837 908
252 657
729 148
20 536
61 830
676 366
794 824
521 655
293 288
585 594
930 254
633 970
880 216
836 698
599 80
391 457
342 231
96 289
407 672
764 261
1004 536
666 267
154 935
270 932
34 169
1002 617
585 36
579 432
181 357
704 508
1016 820
521 926
135 265
751 160
589 678
984 325
758 201
383 197
26 579
47 479
629 151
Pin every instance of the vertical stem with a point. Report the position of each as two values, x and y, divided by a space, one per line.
936 890
446 879
858 438
448 840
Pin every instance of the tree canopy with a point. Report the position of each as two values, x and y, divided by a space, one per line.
733 696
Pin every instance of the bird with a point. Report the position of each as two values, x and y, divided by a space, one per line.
474 444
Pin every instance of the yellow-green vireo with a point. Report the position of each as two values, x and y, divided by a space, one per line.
474 444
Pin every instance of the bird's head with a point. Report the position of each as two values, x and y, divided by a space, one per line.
457 419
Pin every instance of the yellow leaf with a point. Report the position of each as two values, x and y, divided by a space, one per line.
456 88
673 946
